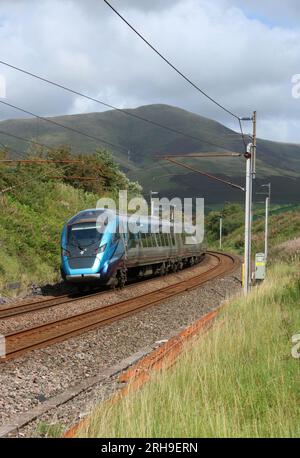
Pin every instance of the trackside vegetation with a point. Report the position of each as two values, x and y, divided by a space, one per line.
284 224
238 380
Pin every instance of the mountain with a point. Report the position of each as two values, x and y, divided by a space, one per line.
141 142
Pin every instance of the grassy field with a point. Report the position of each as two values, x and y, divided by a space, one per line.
239 379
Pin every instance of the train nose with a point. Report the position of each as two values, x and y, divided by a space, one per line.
82 262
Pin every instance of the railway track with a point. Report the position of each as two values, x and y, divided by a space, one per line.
22 341
22 308
35 306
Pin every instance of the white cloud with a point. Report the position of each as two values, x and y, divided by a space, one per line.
245 63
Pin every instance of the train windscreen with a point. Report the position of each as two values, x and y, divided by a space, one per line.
84 235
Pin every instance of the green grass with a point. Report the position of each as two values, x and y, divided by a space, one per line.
284 224
50 430
239 379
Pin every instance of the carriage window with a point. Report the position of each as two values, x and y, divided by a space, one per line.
144 240
133 241
159 239
166 239
173 238
153 240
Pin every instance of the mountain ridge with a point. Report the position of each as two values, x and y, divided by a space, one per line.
144 141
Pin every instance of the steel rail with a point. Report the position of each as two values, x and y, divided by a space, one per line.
20 342
15 310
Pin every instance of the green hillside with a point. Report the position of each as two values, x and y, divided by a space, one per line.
143 141
284 225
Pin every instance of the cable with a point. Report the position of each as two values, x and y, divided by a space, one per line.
8 148
43 145
120 110
65 127
243 136
170 64
208 175
179 72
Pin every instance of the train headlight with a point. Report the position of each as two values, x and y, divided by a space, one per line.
102 248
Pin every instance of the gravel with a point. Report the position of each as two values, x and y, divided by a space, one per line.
109 297
43 373
291 246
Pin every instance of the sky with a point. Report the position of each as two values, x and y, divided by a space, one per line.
243 53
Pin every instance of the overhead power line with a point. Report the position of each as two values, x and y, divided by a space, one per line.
120 110
180 73
72 129
208 175
172 65
17 137
39 161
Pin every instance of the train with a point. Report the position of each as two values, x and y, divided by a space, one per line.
108 257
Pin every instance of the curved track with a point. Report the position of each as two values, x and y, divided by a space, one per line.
22 341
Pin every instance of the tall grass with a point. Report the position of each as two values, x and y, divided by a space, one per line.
239 379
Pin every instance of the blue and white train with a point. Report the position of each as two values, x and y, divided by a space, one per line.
90 256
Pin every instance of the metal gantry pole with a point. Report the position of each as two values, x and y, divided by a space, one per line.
250 176
221 231
248 200
268 200
267 227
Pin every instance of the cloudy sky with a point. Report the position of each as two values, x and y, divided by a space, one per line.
244 53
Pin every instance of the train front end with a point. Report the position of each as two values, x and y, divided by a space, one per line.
90 251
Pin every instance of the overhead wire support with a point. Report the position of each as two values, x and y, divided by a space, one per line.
200 172
75 178
39 161
203 155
